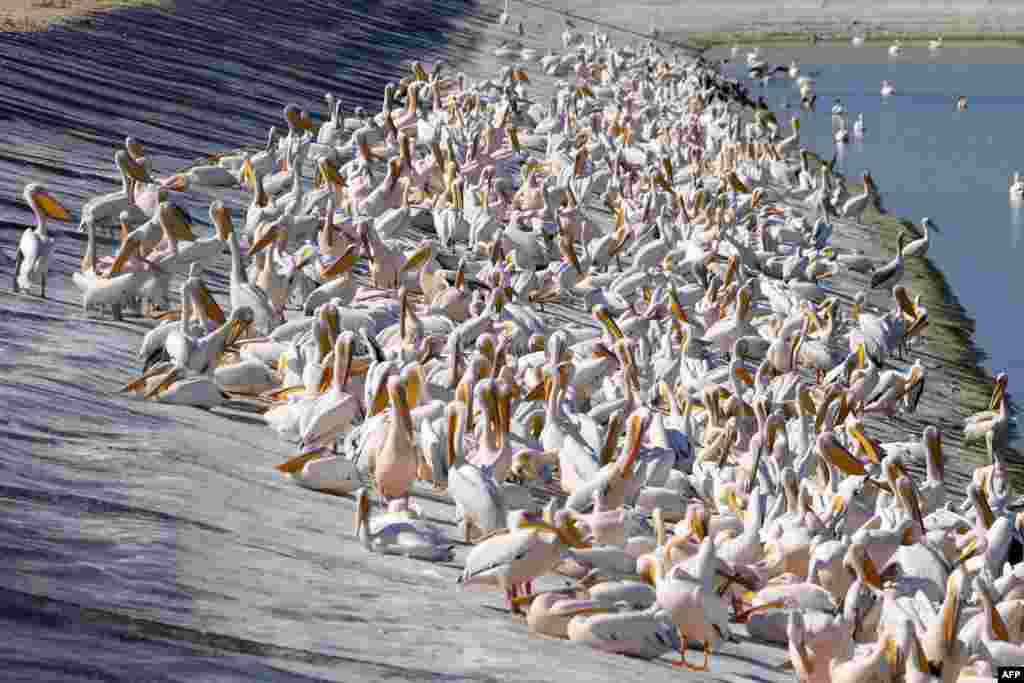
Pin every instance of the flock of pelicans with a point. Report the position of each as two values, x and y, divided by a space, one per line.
704 446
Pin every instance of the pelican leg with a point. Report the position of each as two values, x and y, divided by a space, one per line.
115 311
42 292
17 269
682 655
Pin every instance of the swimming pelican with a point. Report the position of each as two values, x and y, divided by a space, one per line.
887 89
1016 186
36 245
858 126
919 247
961 103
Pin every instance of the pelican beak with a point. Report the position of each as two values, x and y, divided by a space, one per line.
51 207
418 258
843 459
213 310
861 353
342 265
951 611
697 527
744 375
513 136
178 183
330 173
166 382
175 222
238 328
998 394
871 574
935 454
362 508
268 238
601 313
127 247
141 381
869 448
222 219
296 464
773 429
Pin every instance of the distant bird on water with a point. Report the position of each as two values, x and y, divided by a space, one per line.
961 103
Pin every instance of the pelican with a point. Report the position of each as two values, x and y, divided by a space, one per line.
896 49
891 273
410 537
478 498
516 558
961 103
33 260
887 89
858 126
919 247
243 293
935 45
1016 186
333 412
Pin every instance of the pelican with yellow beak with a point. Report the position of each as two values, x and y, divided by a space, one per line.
478 498
33 260
995 420
515 559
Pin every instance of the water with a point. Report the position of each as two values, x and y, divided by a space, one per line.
928 159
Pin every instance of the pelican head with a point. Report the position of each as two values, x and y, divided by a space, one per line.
296 119
40 199
929 223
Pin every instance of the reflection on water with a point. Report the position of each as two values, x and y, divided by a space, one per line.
1016 220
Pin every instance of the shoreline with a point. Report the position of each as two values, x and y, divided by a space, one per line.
257 571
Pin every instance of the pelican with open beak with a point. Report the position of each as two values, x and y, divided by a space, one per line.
33 259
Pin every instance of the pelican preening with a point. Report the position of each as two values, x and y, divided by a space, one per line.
709 444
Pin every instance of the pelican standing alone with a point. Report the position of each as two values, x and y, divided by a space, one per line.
33 260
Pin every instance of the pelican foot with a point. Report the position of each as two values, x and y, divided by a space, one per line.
682 655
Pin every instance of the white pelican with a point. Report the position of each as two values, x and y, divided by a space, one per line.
935 45
505 15
334 410
478 498
36 245
892 272
961 103
517 558
1016 186
857 40
243 293
858 126
410 537
794 69
896 49
919 247
887 89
